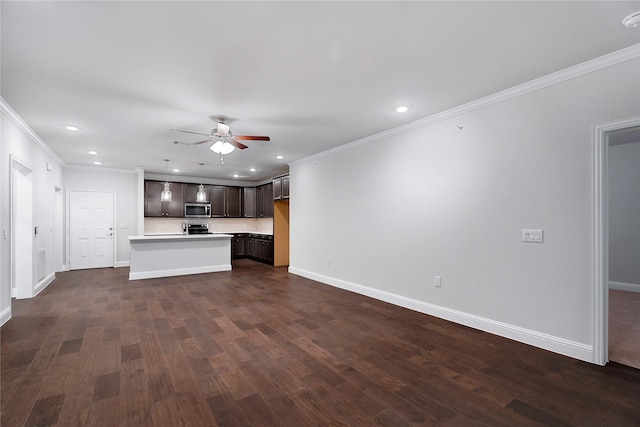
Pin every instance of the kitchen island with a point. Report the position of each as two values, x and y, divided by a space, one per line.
165 255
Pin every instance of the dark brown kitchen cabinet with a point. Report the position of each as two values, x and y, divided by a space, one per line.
153 207
239 246
281 188
217 194
249 201
268 200
264 201
260 248
233 202
226 202
191 192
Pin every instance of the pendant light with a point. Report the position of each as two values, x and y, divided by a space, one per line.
165 196
201 196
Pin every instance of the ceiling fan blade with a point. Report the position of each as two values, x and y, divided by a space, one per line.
252 138
237 144
186 131
192 143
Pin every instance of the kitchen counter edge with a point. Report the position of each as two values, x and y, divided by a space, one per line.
180 237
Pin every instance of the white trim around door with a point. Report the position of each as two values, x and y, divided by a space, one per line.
601 235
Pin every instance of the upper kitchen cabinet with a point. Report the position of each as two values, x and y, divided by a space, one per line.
153 207
281 188
264 201
226 202
234 202
249 202
191 191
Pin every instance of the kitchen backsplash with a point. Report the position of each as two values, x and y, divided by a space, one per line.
216 225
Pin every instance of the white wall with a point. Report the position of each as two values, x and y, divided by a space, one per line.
384 217
624 214
18 140
125 185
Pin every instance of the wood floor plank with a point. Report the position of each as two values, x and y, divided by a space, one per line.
45 411
257 346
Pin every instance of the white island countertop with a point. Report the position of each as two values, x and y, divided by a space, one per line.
181 236
164 255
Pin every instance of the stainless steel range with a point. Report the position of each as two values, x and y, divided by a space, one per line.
198 229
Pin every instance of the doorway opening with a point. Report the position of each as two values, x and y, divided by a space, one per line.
605 136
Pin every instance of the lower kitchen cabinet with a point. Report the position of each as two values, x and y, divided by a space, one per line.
258 247
239 246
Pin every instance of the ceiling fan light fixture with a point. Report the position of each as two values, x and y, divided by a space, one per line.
223 129
222 147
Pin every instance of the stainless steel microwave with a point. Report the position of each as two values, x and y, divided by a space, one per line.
197 210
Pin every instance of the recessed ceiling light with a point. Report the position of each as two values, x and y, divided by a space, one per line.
279 157
252 169
402 109
632 20
176 170
92 152
97 163
72 128
235 175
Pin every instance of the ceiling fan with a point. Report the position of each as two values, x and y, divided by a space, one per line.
224 141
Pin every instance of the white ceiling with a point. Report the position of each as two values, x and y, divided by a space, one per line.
311 75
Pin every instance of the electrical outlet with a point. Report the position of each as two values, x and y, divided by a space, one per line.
437 281
328 261
532 235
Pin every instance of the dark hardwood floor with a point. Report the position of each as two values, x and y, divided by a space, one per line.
257 346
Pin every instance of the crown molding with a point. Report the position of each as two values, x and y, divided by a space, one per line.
611 59
18 121
101 169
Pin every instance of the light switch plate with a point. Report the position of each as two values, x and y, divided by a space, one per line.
533 235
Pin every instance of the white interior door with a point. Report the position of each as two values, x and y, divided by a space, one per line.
90 229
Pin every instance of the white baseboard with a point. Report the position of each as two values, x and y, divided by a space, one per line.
40 286
178 272
5 315
632 287
121 264
538 339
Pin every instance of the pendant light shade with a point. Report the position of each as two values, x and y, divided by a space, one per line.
165 196
201 195
222 147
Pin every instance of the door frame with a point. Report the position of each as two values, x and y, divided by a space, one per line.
68 223
601 235
22 257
